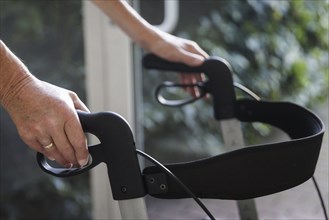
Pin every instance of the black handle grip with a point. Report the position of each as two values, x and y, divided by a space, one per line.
151 61
117 150
220 82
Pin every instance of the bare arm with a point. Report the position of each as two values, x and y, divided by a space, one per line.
44 114
154 40
149 37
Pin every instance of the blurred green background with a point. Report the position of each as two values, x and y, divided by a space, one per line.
47 37
279 49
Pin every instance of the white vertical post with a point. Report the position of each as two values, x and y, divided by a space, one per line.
170 20
109 79
233 138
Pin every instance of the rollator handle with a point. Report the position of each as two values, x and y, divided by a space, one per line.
219 72
117 150
248 172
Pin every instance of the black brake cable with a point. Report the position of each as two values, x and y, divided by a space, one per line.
321 198
247 91
177 180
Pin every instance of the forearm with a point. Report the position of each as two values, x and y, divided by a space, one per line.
13 74
121 13
153 40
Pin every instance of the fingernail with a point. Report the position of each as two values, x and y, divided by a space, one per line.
84 162
51 158
69 165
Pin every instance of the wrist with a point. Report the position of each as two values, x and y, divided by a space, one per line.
12 93
153 40
14 75
148 39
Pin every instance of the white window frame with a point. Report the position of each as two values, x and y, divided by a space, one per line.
109 83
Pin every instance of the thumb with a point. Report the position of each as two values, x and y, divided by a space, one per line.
78 104
81 106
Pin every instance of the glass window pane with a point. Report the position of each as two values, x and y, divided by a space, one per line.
278 49
47 37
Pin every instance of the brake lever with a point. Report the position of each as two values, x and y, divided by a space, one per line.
95 158
217 70
116 149
202 87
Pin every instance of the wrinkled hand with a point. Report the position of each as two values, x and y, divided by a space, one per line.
181 50
45 114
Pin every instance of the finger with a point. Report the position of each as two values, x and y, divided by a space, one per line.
41 142
201 52
35 145
64 146
191 59
46 144
188 78
194 79
185 79
195 48
77 139
53 154
200 78
81 106
78 104
193 55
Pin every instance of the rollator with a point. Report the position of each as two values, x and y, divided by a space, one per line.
240 174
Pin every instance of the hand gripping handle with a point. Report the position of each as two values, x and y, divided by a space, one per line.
220 82
151 61
117 150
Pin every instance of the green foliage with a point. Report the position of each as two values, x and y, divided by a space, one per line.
278 49
47 36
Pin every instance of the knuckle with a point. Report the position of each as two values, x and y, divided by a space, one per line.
73 95
51 123
28 134
193 47
191 44
25 133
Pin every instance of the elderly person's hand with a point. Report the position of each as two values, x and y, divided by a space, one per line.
45 115
162 44
180 50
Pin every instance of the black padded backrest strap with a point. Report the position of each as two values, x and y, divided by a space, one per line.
256 170
296 121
